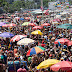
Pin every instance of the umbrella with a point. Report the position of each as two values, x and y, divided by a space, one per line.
37 32
27 18
39 16
2 23
59 20
25 13
63 65
9 25
25 23
17 18
6 34
17 38
61 40
22 19
37 27
35 50
25 41
45 24
7 22
65 26
32 24
47 63
69 43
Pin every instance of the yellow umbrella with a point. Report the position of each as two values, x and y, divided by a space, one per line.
25 23
37 32
47 63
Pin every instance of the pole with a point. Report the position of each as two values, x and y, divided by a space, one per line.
42 7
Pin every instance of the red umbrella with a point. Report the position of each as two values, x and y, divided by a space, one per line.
63 65
69 43
61 40
27 18
9 25
37 27
45 24
32 24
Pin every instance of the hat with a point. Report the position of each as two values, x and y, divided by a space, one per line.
24 70
20 70
62 58
62 53
64 46
29 58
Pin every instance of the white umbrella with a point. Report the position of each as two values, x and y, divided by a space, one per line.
25 41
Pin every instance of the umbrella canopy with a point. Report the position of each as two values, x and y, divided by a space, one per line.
61 40
22 19
45 24
37 27
63 65
65 26
39 16
2 23
69 43
27 18
17 18
6 34
17 38
9 25
35 50
37 32
47 63
25 23
32 24
58 20
25 41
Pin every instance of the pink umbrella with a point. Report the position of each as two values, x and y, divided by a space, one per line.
9 25
61 40
32 24
37 27
17 38
45 24
59 20
2 23
63 65
69 43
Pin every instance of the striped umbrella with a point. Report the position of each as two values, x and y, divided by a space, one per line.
35 50
17 38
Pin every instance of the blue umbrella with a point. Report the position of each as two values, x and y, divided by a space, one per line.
6 34
22 19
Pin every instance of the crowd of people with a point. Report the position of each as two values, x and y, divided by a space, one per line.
14 57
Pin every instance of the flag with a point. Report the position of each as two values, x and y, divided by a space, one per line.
46 12
42 8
